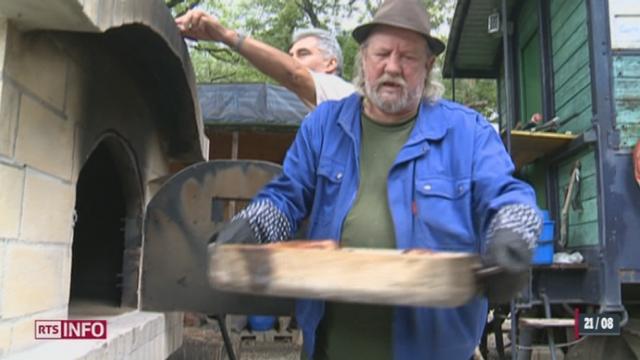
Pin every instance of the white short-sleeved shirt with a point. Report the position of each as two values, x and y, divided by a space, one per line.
330 87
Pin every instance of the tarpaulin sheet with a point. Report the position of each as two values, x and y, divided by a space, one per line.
250 104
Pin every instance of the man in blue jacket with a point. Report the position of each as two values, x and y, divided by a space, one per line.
394 166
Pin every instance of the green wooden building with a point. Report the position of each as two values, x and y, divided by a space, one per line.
576 63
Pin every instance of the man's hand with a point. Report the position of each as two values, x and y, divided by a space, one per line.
508 256
198 25
237 231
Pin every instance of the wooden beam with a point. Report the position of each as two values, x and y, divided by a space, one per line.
392 277
545 323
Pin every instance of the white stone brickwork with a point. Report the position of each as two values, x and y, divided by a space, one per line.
45 127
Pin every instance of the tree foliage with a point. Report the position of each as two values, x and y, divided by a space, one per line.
273 21
479 94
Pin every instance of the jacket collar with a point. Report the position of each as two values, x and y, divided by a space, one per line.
430 124
349 116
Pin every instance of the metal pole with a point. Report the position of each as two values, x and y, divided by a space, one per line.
514 330
546 59
547 314
235 140
228 346
508 73
612 206
453 82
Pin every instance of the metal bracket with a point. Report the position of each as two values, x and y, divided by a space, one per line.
590 136
613 139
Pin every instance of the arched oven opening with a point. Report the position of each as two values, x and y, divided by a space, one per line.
107 232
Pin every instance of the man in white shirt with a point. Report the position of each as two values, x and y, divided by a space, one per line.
311 69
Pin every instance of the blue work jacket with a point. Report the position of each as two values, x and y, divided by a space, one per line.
446 183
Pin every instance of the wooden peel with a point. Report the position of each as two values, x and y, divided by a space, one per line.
320 270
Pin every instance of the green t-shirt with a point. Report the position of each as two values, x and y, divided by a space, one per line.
359 331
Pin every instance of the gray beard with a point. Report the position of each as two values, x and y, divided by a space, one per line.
387 105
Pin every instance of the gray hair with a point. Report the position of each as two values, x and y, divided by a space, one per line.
327 43
433 87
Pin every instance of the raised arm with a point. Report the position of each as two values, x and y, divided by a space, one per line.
273 62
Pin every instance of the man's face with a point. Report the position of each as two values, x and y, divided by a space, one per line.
395 64
306 51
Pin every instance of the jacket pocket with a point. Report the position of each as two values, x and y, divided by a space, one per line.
329 181
444 212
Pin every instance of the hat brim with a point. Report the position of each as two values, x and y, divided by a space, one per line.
361 33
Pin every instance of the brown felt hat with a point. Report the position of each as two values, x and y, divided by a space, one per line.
404 14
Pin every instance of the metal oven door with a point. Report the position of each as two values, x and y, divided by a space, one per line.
179 221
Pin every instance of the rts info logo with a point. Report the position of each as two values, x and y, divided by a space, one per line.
71 329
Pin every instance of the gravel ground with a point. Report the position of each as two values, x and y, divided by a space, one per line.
207 344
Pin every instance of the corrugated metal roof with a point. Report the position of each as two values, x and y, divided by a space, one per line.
250 104
472 51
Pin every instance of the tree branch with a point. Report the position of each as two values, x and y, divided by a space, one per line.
223 77
218 53
173 3
371 7
308 8
182 6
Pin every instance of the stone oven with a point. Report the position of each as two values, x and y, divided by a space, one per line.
97 105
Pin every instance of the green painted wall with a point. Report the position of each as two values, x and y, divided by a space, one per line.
626 89
530 92
535 175
572 95
571 70
531 85
583 224
529 59
502 99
